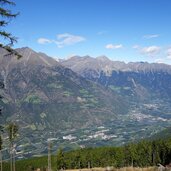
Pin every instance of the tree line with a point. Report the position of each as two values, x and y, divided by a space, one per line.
143 154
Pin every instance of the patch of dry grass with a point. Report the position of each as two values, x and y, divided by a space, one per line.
117 169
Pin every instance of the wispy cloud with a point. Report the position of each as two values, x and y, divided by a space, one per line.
169 53
63 40
68 39
151 36
150 50
44 41
112 46
158 53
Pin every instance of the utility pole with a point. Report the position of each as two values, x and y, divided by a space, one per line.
11 150
49 155
14 151
11 156
88 165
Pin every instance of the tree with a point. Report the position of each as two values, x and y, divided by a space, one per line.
7 40
6 16
60 160
131 154
12 129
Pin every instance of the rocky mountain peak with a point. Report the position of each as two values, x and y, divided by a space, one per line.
29 58
103 58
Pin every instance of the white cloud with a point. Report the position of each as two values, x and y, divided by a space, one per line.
150 36
150 50
44 41
68 39
65 39
112 46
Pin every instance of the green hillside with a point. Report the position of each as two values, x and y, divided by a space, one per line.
165 134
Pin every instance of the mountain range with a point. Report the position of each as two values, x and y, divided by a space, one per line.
139 77
38 86
138 83
82 101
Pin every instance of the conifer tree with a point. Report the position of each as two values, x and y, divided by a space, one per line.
5 17
7 40
60 160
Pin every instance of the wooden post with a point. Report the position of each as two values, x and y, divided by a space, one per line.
13 158
49 156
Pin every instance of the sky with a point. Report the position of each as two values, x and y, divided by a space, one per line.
124 30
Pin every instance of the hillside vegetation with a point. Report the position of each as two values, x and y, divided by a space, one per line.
142 154
164 134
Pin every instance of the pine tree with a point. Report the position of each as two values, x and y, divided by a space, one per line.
60 160
7 38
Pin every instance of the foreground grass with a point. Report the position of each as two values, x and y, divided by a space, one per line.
117 169
26 166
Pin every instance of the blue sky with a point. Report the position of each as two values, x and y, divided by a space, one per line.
125 30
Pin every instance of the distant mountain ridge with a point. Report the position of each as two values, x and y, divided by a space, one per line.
102 62
136 76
